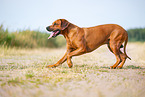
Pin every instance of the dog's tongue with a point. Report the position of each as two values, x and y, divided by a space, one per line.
51 35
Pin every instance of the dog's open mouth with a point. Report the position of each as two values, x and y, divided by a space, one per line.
54 34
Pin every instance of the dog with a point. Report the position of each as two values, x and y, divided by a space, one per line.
84 40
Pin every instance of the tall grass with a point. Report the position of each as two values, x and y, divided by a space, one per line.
37 39
29 39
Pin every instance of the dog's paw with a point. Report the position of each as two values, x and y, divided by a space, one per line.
112 67
119 67
50 66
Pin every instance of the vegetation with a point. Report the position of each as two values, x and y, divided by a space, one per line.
23 73
37 39
137 34
29 39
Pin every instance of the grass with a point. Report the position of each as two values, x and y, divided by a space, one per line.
15 81
29 75
23 73
133 67
103 71
28 39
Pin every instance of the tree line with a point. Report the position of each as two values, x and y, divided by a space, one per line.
136 34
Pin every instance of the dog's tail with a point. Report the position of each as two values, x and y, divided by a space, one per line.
125 43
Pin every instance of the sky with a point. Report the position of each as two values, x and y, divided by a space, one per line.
37 14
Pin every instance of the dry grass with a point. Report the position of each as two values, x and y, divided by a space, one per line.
23 74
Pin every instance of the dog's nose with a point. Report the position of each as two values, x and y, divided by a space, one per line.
48 28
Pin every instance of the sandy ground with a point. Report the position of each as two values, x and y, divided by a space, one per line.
23 74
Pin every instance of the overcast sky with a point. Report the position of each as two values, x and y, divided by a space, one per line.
37 14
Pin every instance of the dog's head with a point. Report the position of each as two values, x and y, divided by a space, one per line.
57 27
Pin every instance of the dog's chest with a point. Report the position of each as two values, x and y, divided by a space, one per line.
71 43
74 41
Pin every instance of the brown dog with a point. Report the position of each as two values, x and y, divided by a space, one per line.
84 40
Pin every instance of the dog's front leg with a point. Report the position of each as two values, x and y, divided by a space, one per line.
63 59
74 53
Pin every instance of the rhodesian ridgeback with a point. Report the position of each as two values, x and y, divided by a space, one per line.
84 40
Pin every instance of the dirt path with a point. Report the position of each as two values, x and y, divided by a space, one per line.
23 74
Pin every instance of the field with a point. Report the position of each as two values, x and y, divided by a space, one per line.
23 73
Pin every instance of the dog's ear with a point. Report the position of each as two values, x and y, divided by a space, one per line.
64 24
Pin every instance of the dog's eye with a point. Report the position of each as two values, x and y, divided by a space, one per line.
55 24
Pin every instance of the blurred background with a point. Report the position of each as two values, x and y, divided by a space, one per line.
23 22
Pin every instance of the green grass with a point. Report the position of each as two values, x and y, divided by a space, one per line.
29 39
133 67
103 70
31 75
15 81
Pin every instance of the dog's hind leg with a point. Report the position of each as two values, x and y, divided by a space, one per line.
115 48
123 55
108 44
123 58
